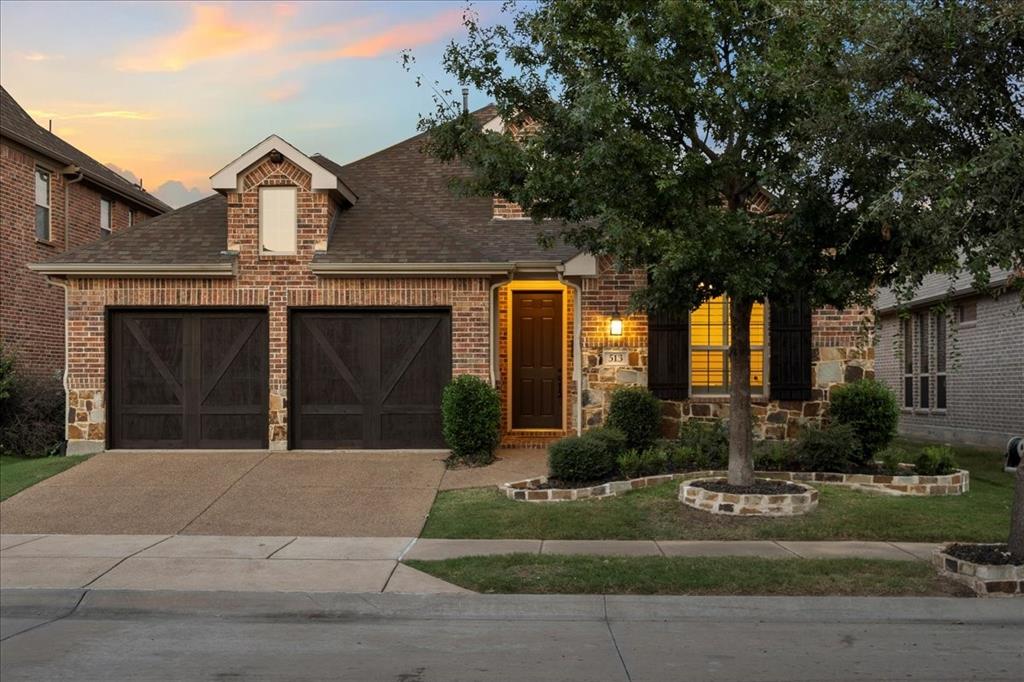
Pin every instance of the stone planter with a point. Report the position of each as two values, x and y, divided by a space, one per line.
956 483
528 490
986 580
783 504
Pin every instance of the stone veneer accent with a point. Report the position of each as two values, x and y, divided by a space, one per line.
785 504
526 490
984 579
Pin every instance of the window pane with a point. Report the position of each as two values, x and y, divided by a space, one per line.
922 330
277 219
757 326
42 188
924 391
708 323
707 371
908 347
104 215
757 371
940 342
940 392
42 223
908 391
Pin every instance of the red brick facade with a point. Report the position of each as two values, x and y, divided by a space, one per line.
31 310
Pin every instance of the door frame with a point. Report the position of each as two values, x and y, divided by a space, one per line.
553 286
108 356
294 311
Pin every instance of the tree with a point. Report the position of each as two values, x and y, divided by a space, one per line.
755 149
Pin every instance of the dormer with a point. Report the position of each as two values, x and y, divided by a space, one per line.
280 201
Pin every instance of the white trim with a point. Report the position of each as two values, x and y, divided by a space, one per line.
135 269
229 178
495 125
581 265
287 214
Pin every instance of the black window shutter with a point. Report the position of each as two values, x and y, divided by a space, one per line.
668 354
790 348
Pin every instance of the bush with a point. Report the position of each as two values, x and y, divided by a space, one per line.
774 455
471 416
889 460
870 408
637 413
833 448
709 442
31 415
637 463
935 460
583 459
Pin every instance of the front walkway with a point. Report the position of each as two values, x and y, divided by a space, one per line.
341 564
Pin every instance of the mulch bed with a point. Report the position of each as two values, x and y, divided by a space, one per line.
991 555
761 487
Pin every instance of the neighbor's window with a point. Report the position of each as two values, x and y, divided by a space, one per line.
907 333
277 219
709 348
131 217
106 216
940 360
42 205
922 367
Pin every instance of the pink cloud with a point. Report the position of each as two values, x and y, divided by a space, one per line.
398 37
284 92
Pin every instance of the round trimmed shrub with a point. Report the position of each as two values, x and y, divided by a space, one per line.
636 412
471 419
871 410
590 457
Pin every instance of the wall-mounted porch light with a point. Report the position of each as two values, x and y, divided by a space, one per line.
615 324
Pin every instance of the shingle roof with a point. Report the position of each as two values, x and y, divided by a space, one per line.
16 124
406 213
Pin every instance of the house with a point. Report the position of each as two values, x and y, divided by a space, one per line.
958 367
53 197
309 304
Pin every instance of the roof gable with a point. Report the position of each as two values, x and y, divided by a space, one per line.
229 178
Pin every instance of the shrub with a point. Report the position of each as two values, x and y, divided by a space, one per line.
630 464
833 448
889 460
590 457
708 440
637 413
935 460
31 416
773 455
870 408
471 416
636 463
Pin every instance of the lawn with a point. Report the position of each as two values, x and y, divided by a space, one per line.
552 574
17 473
982 515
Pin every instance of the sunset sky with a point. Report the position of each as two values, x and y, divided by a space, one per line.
172 91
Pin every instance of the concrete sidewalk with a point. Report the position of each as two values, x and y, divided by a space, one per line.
345 564
113 635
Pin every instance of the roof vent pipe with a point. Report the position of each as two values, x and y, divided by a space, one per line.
465 100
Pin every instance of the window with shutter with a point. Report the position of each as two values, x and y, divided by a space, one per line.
790 352
668 336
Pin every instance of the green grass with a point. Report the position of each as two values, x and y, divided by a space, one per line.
553 574
982 515
17 473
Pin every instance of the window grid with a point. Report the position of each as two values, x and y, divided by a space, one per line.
42 201
709 348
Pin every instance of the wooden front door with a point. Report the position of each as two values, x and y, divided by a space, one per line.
188 379
368 378
537 360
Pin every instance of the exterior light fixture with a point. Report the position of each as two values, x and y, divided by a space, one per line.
615 325
276 157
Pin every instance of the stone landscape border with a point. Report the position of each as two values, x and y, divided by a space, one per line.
985 579
757 504
956 483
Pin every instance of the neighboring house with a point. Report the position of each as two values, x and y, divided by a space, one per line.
53 197
959 373
316 305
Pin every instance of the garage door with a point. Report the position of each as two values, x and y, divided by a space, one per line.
188 379
368 378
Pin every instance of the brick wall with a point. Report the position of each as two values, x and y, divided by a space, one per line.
31 310
984 381
274 282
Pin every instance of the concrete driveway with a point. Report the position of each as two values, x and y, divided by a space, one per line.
376 494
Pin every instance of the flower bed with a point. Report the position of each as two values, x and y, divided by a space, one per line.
693 494
985 579
530 490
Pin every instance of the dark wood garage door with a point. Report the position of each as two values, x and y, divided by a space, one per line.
368 378
188 379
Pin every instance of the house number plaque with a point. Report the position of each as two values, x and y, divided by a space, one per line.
614 357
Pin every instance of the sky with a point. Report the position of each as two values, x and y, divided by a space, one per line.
170 92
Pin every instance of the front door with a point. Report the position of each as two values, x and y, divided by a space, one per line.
537 360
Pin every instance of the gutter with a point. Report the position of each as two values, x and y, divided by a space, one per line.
440 269
492 320
135 269
103 182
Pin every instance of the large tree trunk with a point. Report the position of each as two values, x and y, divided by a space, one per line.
741 438
1017 517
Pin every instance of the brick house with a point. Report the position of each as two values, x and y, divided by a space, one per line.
314 305
958 372
53 197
